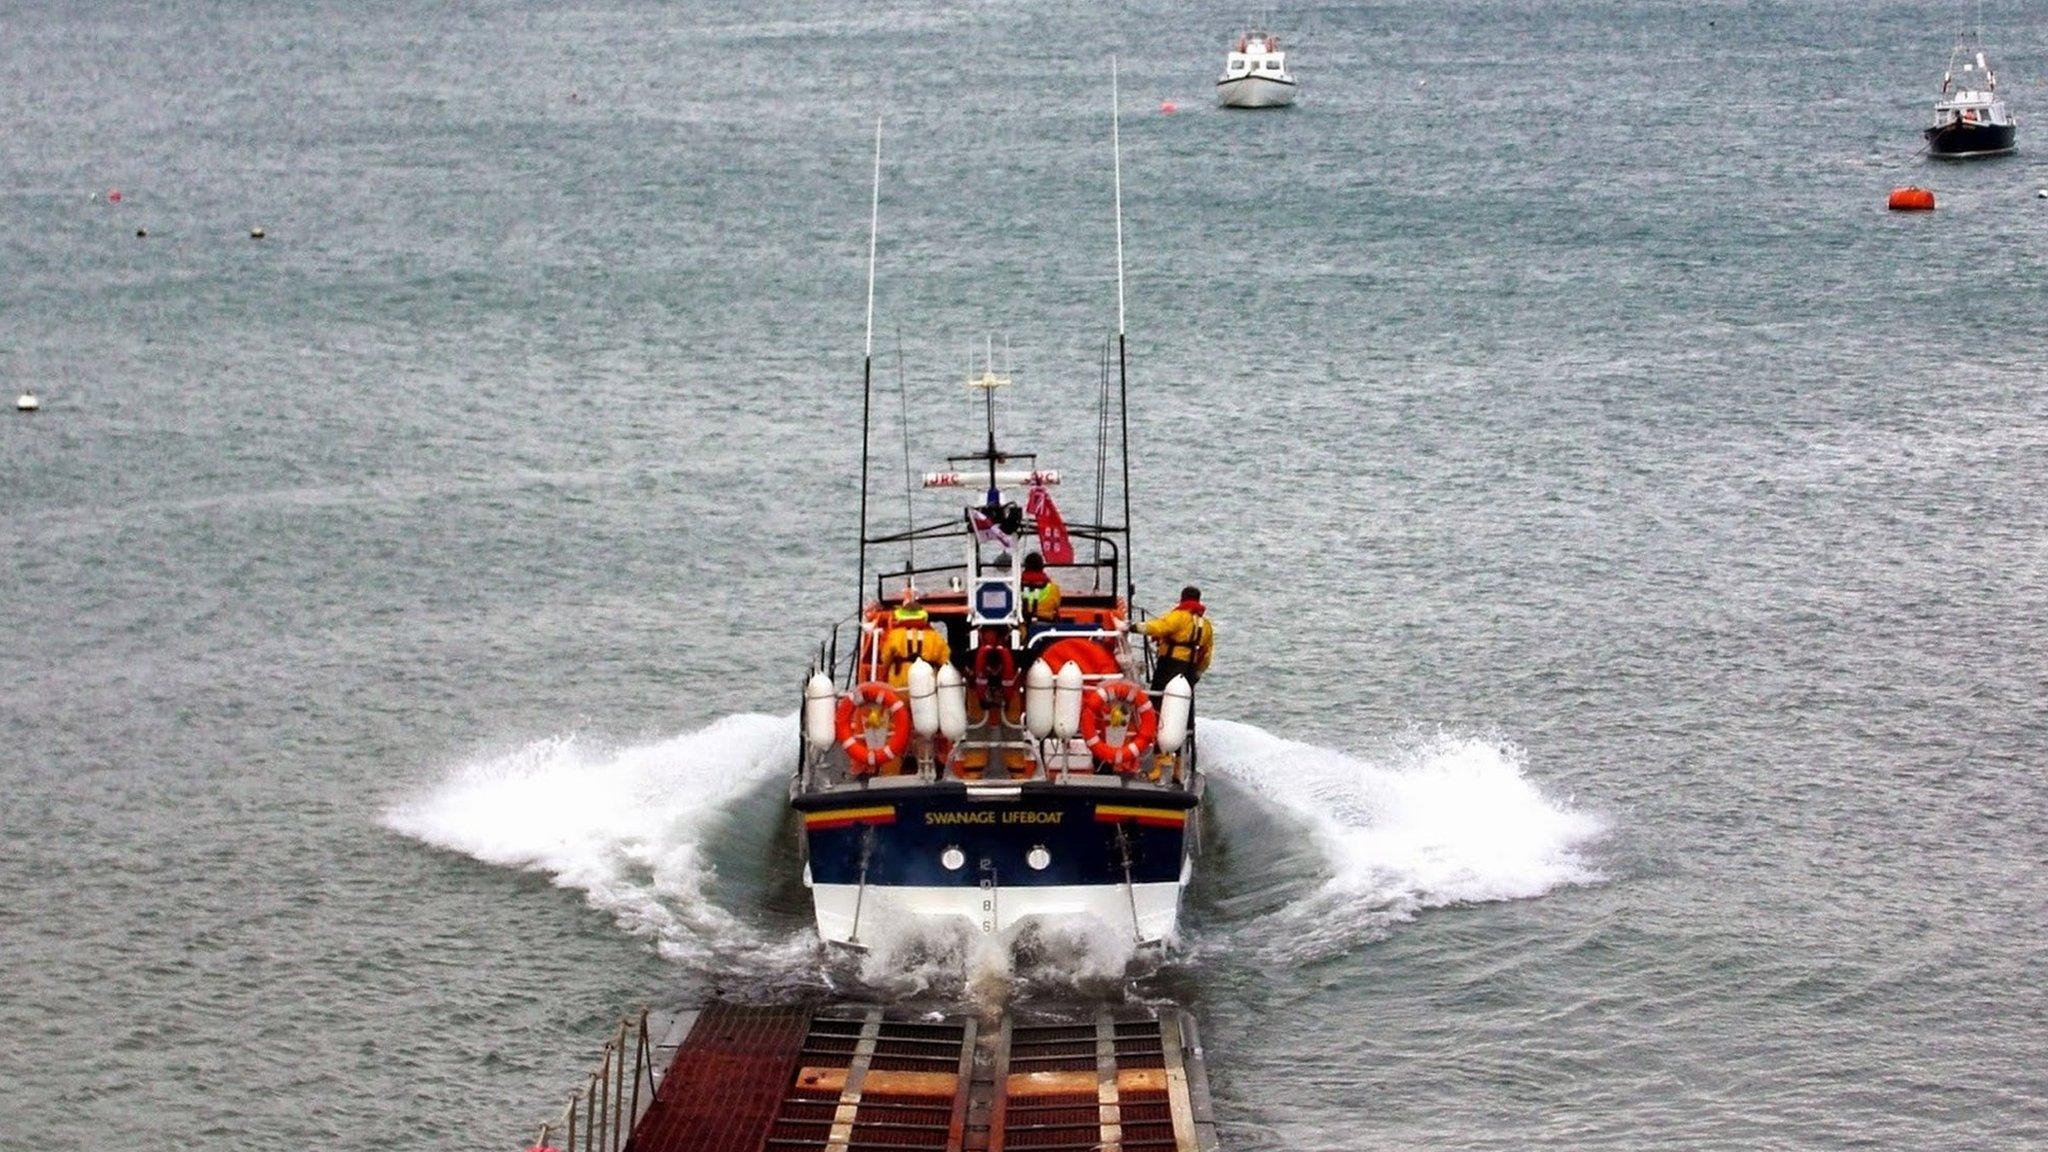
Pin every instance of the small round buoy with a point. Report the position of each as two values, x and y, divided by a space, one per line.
142 232
27 403
114 196
1911 199
1168 107
255 233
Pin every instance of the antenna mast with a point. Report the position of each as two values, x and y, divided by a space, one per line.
867 373
1123 384
903 409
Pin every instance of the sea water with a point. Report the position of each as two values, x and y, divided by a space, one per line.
1624 536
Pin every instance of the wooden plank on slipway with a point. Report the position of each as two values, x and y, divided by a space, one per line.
1177 1098
1110 1115
856 1075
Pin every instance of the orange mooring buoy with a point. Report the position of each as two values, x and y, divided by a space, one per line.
1911 199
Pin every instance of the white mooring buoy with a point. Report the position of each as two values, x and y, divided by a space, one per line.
27 403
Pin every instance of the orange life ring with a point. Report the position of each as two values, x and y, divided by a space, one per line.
1139 719
1094 659
863 712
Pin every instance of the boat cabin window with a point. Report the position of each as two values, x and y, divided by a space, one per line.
1237 65
1272 65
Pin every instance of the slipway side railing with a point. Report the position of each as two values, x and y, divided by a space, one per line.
600 1116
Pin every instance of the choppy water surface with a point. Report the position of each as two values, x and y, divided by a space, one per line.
1627 541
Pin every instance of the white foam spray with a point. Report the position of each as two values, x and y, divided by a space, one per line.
911 957
1453 820
626 826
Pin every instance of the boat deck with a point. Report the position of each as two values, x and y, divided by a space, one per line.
832 1077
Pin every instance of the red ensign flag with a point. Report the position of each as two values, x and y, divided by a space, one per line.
1053 542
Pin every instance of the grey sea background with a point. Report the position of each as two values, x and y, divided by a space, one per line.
1628 541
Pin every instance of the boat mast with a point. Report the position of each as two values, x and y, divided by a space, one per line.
1123 385
903 410
988 397
867 374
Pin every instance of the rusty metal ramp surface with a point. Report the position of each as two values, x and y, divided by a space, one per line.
1119 1080
723 1088
860 1077
870 1081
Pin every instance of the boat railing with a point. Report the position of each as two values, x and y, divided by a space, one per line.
840 666
1102 567
1054 758
600 1115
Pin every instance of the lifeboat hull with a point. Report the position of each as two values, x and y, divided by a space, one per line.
995 859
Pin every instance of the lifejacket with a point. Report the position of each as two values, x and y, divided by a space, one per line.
915 640
995 671
1193 641
908 643
1041 597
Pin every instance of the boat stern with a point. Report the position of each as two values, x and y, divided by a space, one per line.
1000 858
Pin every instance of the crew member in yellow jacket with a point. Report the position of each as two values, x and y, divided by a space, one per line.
1041 595
1183 641
910 638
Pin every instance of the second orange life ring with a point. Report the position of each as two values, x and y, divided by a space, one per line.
1094 659
868 709
1114 703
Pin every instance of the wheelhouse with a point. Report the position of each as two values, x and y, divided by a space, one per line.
1256 54
1969 93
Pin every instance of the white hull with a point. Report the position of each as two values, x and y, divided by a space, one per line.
1157 908
1254 92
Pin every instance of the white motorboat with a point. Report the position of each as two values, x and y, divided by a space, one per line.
1255 74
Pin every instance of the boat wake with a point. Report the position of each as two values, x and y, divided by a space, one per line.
632 828
684 842
1449 820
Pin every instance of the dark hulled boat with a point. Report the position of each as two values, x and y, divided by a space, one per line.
1970 118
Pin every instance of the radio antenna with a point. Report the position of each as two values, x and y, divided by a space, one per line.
1123 384
867 373
903 407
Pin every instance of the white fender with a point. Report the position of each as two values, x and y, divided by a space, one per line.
1066 701
952 703
1176 704
820 704
924 699
1038 700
